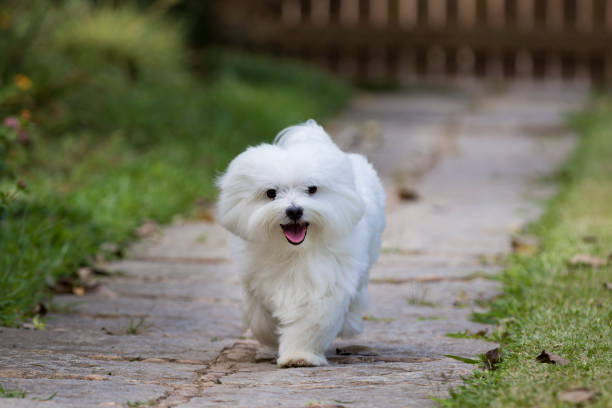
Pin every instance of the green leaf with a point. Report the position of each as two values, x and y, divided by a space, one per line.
463 359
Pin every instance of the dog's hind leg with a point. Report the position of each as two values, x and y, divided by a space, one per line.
353 320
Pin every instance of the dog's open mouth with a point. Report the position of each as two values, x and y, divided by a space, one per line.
295 232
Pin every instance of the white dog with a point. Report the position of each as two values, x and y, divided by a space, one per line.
309 218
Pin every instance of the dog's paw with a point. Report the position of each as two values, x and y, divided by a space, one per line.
301 360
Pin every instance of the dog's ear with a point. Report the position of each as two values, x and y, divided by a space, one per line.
353 206
238 188
231 198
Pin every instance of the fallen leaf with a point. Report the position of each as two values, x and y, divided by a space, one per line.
205 215
550 358
357 351
577 395
407 194
72 285
587 260
492 358
525 244
78 290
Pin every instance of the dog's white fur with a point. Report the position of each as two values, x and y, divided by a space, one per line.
300 297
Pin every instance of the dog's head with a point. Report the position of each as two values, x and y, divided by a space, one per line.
299 190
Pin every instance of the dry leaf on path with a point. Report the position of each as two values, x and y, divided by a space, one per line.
587 260
64 286
205 215
407 194
492 358
551 358
78 290
525 244
577 395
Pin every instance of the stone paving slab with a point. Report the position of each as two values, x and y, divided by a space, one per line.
477 163
357 385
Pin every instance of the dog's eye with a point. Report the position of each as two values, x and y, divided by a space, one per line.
271 193
312 189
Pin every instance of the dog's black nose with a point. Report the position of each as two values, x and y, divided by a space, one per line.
294 213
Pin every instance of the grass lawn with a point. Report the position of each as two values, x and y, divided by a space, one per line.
550 303
152 153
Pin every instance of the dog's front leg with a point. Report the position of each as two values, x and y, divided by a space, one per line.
262 323
312 329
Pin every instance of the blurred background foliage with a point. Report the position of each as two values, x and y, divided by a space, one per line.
115 112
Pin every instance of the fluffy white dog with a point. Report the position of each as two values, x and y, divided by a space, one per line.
309 218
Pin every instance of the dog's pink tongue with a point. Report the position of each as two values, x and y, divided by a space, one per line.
295 232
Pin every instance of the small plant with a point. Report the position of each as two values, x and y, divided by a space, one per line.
38 323
49 398
5 393
419 298
135 327
424 318
64 308
371 318
468 334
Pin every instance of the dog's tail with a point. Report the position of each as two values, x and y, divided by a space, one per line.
309 131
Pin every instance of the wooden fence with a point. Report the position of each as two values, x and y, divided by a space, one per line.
404 40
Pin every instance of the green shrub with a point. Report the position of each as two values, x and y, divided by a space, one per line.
139 45
121 131
81 59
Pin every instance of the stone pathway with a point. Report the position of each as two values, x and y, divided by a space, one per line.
166 331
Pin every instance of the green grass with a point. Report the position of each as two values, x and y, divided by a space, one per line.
5 393
371 318
549 304
152 154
